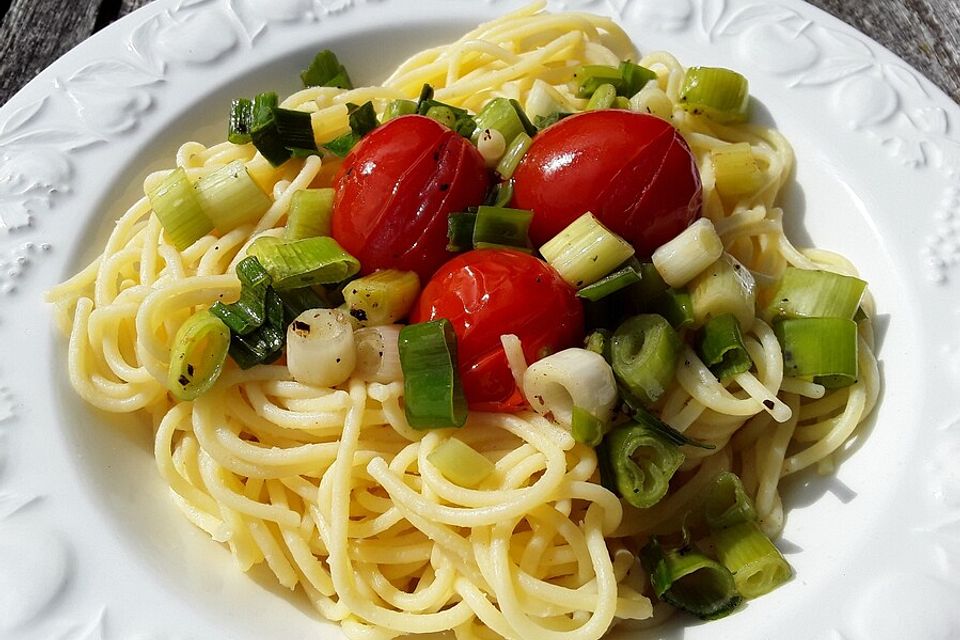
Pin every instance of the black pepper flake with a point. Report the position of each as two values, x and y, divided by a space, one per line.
359 314
768 404
338 360
301 327
190 370
183 380
444 186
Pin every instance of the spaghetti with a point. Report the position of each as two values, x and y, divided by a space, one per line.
332 489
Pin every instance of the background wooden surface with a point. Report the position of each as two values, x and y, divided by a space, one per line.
925 33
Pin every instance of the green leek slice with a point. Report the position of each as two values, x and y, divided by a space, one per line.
610 284
382 297
310 214
502 227
326 71
690 581
197 356
821 349
585 251
637 463
265 343
720 94
460 231
433 397
726 502
460 463
516 149
249 312
231 198
757 565
264 132
720 345
178 208
808 293
303 263
499 114
644 351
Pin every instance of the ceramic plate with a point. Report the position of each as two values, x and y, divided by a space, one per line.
92 548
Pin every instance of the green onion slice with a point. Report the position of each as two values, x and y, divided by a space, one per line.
296 301
720 345
502 227
433 396
460 231
249 312
326 71
382 297
398 108
822 349
720 94
603 97
241 119
295 129
303 263
638 463
457 119
460 463
516 149
363 120
644 352
689 580
591 77
231 198
634 78
178 208
310 214
264 132
726 502
265 343
619 279
501 115
808 293
586 427
757 565
197 356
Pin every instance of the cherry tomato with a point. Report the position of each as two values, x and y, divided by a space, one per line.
632 170
396 189
490 292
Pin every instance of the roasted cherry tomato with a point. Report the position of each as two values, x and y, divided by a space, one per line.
632 170
396 189
490 292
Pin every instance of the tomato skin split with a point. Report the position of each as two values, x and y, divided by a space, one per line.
396 189
486 293
634 171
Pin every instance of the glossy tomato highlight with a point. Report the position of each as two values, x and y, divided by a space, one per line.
396 189
490 292
634 171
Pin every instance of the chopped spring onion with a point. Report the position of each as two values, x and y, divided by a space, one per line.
265 343
462 122
460 463
757 565
807 293
502 227
310 214
726 502
178 208
296 301
303 263
432 394
573 379
320 347
743 548
241 118
460 231
363 120
735 169
294 129
512 156
821 349
676 305
689 580
637 463
326 71
619 279
591 77
442 114
634 78
500 115
382 297
197 356
726 286
680 260
264 133
720 345
231 198
249 311
720 94
644 352
603 97
492 146
398 108
378 354
554 117
585 251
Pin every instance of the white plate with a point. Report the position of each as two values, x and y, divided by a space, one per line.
92 548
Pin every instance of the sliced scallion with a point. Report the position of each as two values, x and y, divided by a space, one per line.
735 170
644 351
310 214
460 463
726 286
460 231
320 347
499 114
178 208
513 155
726 502
432 394
303 263
619 279
720 94
808 293
295 129
296 301
249 311
397 108
197 355
585 251
502 227
265 343
326 71
382 297
757 565
231 198
634 77
264 133
821 349
720 345
603 97
689 580
638 463
591 77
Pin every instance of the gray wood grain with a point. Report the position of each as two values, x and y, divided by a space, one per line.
925 33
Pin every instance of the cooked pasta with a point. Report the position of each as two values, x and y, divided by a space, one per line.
333 490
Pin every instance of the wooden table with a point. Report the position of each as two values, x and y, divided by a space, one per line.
925 33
